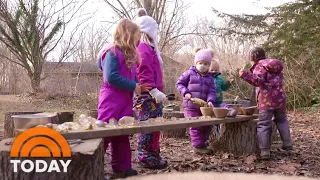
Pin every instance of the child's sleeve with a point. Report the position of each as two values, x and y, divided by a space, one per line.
224 85
145 71
212 93
182 83
257 78
111 71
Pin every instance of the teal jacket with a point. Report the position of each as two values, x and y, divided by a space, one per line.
221 86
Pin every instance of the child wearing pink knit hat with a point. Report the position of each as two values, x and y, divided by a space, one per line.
197 82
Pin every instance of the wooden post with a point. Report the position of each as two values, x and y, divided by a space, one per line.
87 162
8 123
178 133
239 138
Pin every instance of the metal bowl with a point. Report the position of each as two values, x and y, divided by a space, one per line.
25 121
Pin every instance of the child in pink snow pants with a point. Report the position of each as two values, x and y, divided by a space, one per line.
149 104
118 62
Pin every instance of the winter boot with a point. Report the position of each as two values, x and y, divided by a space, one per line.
203 150
265 154
160 165
125 174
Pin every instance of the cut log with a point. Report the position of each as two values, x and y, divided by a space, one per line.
8 123
87 162
178 133
239 138
63 117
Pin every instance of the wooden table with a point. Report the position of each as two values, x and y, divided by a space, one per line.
151 127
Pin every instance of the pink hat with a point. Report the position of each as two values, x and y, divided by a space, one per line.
203 55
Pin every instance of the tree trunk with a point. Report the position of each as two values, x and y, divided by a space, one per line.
178 133
239 138
8 123
35 83
87 162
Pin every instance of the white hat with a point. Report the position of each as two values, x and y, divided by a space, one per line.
149 26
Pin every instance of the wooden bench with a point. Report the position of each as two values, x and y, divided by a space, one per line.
150 127
238 134
87 162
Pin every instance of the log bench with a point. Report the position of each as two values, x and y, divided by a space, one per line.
87 162
151 127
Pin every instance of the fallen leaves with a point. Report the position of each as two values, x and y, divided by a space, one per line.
302 161
250 159
287 167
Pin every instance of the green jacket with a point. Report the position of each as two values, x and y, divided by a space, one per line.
221 86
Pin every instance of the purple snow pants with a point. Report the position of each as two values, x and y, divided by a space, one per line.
120 152
199 135
264 127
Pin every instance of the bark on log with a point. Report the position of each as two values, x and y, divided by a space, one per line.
239 138
8 123
179 133
87 163
215 175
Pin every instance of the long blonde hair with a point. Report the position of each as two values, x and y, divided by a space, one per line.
126 38
145 38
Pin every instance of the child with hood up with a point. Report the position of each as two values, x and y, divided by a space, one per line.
149 104
266 75
197 82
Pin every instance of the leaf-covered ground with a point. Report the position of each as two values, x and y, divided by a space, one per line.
304 160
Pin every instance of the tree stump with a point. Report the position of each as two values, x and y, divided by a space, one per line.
239 138
8 123
63 117
178 133
87 163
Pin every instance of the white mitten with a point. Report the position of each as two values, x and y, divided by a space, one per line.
158 95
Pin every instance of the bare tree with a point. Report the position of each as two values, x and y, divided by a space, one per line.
32 30
170 16
89 43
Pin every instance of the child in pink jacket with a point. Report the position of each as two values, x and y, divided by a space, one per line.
149 104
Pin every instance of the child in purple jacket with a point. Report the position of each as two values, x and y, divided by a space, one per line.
266 75
197 82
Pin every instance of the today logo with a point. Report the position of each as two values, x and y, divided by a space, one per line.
40 142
